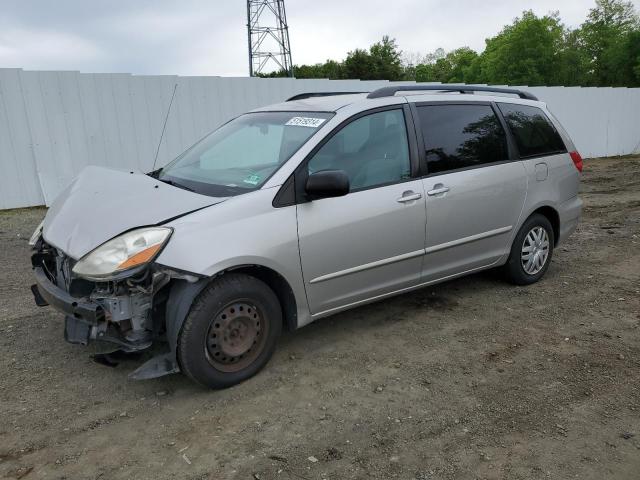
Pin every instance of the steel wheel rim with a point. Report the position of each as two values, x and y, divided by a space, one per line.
535 250
236 336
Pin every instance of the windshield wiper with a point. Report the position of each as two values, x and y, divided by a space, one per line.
175 184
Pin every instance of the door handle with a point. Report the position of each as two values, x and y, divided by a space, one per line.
438 191
409 197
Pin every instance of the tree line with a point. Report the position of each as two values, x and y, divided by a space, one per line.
533 50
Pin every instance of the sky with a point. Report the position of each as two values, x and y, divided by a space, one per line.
209 37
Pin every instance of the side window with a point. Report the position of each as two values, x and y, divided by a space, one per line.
533 132
372 150
460 136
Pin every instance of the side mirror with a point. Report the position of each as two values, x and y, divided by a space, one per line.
327 183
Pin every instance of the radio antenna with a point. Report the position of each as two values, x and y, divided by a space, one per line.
164 126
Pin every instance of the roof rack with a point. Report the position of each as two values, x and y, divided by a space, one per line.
391 91
302 96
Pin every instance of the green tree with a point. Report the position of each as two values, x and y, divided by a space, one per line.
381 62
333 69
309 71
434 67
385 60
426 70
626 61
523 53
330 69
358 64
632 52
461 61
573 62
452 67
274 74
605 33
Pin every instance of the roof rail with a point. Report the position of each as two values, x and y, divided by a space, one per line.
391 91
302 96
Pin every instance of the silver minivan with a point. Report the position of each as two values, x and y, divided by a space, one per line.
300 210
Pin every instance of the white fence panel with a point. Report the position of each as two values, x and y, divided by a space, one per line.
19 185
52 124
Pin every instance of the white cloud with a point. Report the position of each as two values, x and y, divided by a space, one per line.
43 49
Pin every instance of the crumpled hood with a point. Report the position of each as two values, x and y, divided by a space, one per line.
102 203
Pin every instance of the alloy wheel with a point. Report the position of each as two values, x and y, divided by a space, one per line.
535 250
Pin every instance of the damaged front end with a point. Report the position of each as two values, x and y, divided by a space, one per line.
94 260
128 311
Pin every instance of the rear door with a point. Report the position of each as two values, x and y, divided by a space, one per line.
475 192
371 241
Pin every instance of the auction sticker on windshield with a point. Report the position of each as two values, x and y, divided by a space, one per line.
305 122
252 179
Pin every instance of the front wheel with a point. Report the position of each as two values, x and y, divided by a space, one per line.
230 332
531 251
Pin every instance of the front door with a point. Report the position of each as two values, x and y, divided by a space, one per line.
371 241
475 194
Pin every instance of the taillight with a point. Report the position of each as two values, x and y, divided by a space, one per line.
577 160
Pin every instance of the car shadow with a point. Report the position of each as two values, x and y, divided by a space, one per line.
441 297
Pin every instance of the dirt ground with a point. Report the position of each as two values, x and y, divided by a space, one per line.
470 379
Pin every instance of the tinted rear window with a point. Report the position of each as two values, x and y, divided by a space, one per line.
461 136
534 133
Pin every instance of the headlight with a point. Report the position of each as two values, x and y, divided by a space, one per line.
36 234
129 250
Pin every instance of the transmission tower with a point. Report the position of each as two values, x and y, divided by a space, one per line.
269 47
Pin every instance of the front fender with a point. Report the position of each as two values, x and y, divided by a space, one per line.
243 231
181 297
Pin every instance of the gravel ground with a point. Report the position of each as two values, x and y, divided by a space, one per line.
473 378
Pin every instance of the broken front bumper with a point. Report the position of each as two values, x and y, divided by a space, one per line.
90 313
112 312
80 316
128 313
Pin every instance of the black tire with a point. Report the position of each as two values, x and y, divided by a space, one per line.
514 269
231 303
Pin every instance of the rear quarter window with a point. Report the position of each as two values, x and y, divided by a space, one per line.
532 130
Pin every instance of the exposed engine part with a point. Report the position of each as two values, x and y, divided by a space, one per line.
132 308
128 304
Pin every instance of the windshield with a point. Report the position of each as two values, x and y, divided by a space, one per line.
242 154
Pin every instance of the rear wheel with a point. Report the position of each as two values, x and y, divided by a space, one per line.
231 331
531 251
